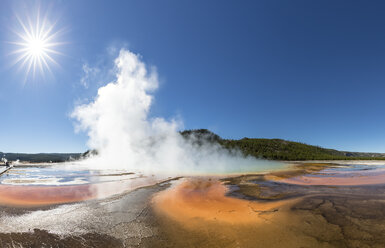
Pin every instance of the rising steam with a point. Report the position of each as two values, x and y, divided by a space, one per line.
119 127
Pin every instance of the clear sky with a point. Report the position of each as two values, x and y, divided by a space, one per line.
308 71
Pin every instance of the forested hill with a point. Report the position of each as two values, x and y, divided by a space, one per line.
275 149
40 157
278 149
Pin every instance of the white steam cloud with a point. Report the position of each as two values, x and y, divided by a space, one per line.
119 127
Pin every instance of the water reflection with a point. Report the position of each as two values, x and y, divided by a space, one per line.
30 186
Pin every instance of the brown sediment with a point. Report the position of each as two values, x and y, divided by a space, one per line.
323 174
298 169
337 178
337 181
207 200
201 213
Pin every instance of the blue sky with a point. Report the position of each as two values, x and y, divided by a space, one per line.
308 71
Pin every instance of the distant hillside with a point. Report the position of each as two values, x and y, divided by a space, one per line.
278 149
40 157
275 149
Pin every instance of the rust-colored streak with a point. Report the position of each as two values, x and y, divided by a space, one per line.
29 196
206 200
43 195
348 180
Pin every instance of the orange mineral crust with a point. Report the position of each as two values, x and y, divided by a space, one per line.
30 196
207 200
43 195
348 179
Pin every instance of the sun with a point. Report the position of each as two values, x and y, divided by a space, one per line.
36 46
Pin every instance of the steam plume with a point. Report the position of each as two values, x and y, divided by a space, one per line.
119 127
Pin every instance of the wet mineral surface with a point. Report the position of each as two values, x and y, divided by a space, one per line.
300 207
268 210
125 220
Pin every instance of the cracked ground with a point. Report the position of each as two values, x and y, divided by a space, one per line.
309 216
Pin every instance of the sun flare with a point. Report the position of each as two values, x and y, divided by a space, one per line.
36 46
